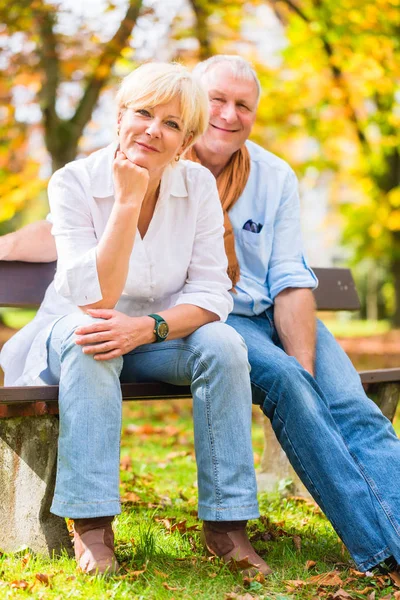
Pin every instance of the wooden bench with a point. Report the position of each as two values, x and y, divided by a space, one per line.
28 447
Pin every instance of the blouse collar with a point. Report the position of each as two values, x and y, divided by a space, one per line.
99 166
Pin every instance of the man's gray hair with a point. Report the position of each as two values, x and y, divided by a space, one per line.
238 66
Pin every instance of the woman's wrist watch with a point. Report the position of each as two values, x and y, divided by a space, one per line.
161 329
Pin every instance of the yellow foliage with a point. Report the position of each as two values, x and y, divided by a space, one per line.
394 197
375 230
393 222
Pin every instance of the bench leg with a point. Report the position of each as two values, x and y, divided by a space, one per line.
386 396
28 458
275 468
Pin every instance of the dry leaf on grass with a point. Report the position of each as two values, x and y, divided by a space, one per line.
130 497
341 594
160 574
297 542
309 565
20 585
183 528
171 588
395 577
43 578
371 596
325 579
240 565
26 559
235 596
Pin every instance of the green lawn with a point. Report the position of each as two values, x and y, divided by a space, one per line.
158 541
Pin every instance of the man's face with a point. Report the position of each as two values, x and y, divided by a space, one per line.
233 104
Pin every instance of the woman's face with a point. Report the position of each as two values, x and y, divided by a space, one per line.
152 137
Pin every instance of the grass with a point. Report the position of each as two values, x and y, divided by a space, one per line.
157 540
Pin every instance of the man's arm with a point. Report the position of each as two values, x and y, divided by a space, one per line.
32 243
295 321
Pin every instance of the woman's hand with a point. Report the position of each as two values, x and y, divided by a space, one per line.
115 335
130 180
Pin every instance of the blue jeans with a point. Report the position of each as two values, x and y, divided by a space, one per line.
213 360
343 449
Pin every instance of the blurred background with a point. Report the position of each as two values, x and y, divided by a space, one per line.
330 75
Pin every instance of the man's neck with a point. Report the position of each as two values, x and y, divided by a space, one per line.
213 161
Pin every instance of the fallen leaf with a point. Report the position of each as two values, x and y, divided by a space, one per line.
395 577
365 591
309 565
139 572
130 497
325 579
341 594
234 596
43 578
183 528
371 596
170 588
20 585
160 574
25 559
297 542
396 596
292 584
240 565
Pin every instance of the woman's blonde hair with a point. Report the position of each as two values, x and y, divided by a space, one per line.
156 83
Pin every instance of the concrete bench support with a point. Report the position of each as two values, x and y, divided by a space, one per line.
28 457
275 467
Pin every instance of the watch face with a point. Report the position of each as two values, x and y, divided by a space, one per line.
162 330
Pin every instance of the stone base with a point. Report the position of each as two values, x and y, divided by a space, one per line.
28 458
276 473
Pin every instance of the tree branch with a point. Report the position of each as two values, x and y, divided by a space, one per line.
337 74
202 31
45 19
111 52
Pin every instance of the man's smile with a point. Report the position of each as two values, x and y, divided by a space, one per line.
223 129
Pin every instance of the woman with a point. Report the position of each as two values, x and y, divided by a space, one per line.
140 292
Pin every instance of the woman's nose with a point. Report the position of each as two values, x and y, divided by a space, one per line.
153 129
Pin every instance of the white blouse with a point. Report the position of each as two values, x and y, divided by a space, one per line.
180 260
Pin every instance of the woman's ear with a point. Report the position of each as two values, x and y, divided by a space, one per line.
186 142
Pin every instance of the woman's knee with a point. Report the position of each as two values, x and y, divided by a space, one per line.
221 344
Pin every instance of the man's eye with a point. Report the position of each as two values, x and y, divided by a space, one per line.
143 112
173 124
217 100
243 107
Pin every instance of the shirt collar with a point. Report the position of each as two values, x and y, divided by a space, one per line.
99 165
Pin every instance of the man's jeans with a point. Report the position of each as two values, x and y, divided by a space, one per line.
341 446
213 360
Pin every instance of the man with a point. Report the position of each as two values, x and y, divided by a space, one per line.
341 446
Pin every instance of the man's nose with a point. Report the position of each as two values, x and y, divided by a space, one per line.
154 128
228 112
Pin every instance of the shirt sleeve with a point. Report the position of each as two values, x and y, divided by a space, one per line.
76 277
288 267
207 284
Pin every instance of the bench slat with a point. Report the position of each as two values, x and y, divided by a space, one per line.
380 376
130 391
24 284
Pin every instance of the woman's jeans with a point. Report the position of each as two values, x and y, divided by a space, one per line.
341 446
213 360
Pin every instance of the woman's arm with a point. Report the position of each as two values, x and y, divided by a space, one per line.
32 243
115 247
118 334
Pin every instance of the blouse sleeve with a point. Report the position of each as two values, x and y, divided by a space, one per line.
76 277
207 284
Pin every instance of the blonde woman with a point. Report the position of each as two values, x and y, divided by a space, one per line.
141 293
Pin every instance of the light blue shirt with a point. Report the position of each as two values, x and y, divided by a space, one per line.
273 259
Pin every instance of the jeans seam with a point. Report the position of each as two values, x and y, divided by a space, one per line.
198 355
311 484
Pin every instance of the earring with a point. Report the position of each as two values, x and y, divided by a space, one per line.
118 129
177 157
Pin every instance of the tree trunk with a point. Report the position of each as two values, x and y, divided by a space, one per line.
396 281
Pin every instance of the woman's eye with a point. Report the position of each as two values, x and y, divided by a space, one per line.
143 112
173 124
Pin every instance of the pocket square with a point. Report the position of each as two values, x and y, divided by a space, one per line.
252 226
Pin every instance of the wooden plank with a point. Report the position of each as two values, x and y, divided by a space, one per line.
380 376
24 284
336 290
130 391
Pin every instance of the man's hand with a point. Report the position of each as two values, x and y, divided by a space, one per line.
295 321
116 335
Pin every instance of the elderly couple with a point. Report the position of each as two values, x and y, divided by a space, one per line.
149 248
